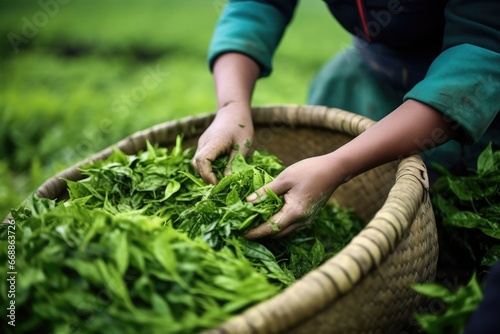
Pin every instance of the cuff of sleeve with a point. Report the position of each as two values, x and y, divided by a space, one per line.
464 84
250 28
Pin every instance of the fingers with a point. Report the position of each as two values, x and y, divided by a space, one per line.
267 229
290 228
295 213
258 196
276 186
281 224
202 162
276 222
206 154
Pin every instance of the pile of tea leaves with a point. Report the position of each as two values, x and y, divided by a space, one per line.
143 244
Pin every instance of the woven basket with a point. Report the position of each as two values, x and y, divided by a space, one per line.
366 287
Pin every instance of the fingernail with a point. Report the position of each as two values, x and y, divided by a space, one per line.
252 197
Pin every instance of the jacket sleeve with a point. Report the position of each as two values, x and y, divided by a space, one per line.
253 28
463 82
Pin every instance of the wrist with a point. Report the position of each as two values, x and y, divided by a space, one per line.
233 103
235 112
339 168
235 76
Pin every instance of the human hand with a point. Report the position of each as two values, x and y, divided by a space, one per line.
231 131
307 185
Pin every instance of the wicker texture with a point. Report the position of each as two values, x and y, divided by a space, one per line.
366 287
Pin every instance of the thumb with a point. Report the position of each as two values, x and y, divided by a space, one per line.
261 194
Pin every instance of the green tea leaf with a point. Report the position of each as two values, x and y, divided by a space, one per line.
433 290
486 161
232 198
114 283
460 305
255 250
165 254
466 219
122 254
492 256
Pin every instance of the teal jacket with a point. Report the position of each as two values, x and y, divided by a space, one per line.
462 37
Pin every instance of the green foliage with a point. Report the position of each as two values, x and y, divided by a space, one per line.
305 249
468 206
8 196
87 270
459 306
472 203
223 209
143 244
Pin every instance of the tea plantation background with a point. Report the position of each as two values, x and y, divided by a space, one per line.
79 75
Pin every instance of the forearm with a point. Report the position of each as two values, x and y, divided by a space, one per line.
410 129
235 75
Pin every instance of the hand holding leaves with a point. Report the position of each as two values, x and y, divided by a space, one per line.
306 186
230 132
